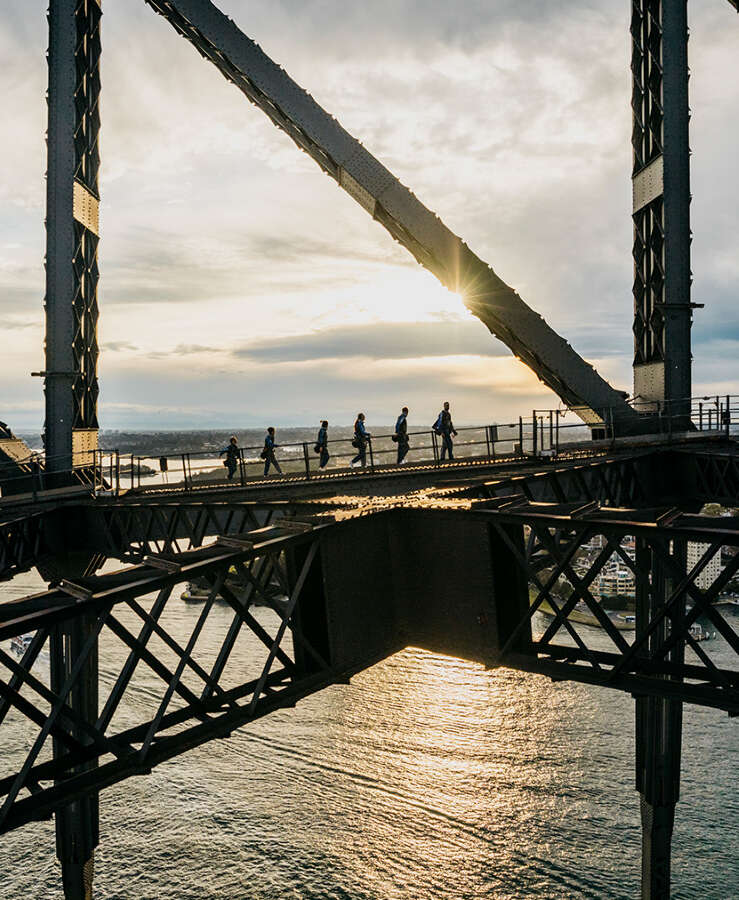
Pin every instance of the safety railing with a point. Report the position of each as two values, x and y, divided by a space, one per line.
546 433
191 469
37 476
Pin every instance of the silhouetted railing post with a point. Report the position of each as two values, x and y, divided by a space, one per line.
371 454
242 467
132 472
727 416
307 460
534 436
184 471
520 435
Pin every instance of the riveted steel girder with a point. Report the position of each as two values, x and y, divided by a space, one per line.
72 232
661 205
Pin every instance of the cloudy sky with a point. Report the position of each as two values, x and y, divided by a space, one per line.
240 284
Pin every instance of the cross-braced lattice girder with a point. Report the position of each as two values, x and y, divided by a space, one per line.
314 628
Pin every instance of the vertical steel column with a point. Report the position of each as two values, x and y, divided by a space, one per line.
310 617
661 206
77 827
72 203
658 727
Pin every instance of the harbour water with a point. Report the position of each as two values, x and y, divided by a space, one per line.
426 777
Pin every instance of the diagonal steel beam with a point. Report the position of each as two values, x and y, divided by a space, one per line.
297 635
179 671
283 625
126 673
26 664
398 210
234 629
60 703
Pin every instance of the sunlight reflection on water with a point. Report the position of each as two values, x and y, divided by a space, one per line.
426 777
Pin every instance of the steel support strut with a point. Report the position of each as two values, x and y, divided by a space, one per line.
658 726
77 832
72 233
661 207
216 37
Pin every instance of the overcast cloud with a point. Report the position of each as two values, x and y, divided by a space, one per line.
239 284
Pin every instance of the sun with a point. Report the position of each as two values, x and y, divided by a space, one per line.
400 294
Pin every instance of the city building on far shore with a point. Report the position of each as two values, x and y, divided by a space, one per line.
712 569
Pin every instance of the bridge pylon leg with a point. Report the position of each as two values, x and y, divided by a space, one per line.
658 721
77 828
658 735
72 234
663 311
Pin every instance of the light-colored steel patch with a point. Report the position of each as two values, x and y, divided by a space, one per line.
353 187
369 172
648 184
649 386
84 445
86 208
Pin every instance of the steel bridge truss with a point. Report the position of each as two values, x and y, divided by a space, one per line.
130 528
200 695
134 530
202 687
21 544
557 537
661 214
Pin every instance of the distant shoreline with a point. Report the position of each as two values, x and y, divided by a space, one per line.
582 618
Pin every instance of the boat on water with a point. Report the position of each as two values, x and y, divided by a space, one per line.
20 643
699 633
198 591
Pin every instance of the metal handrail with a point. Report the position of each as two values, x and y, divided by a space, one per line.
543 433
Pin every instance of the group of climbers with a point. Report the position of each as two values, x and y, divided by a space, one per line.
443 426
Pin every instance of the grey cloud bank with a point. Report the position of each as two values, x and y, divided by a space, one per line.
394 340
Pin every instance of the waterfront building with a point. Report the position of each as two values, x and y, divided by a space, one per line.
615 579
712 569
